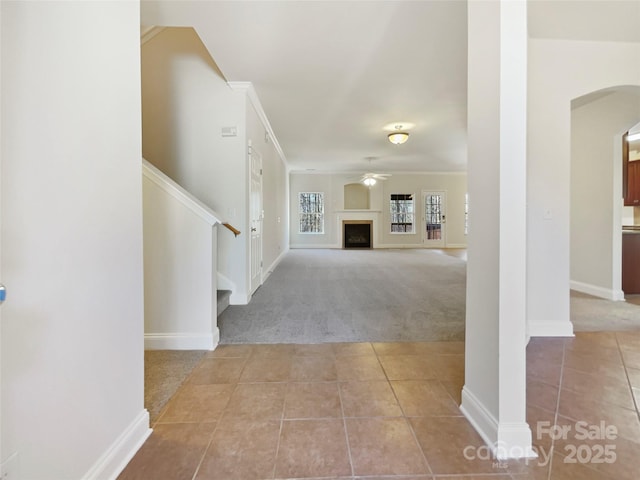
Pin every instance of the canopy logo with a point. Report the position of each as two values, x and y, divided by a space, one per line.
580 442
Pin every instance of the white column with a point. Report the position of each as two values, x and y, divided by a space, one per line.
494 395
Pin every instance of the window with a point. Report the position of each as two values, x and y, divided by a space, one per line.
311 212
402 212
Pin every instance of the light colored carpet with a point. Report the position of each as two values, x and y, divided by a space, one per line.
319 296
593 314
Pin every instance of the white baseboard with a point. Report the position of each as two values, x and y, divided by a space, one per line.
606 293
456 245
112 462
273 266
482 420
550 329
239 299
324 245
506 440
181 341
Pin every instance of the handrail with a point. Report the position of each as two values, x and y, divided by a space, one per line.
235 231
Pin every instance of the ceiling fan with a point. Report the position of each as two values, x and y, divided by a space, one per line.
370 179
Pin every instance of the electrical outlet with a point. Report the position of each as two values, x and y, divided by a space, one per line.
9 468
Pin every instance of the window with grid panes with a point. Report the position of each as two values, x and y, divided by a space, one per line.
402 209
311 212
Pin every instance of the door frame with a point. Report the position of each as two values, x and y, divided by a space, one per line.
255 249
442 241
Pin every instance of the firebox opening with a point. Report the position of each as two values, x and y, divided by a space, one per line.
357 234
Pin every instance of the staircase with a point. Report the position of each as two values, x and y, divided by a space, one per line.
223 300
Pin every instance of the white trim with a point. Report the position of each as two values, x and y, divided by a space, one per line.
273 265
550 329
606 293
314 245
147 33
176 191
239 299
181 341
223 283
113 461
456 245
506 440
248 88
480 417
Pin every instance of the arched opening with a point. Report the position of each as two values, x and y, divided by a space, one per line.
597 214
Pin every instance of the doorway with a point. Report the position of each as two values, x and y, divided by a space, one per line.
434 232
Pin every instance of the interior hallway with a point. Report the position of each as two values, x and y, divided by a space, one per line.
389 411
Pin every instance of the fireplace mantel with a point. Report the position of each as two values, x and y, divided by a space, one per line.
373 216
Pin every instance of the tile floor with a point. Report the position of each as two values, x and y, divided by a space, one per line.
390 411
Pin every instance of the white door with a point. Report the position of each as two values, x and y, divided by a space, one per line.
255 162
434 231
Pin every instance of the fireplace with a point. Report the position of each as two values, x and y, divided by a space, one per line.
357 233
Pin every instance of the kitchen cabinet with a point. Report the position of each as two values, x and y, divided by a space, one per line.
632 197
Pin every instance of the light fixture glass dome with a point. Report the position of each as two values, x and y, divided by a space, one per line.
398 138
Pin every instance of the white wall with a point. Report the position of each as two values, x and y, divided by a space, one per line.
559 71
185 104
454 184
180 249
72 329
596 128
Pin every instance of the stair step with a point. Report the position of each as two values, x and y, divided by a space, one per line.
223 300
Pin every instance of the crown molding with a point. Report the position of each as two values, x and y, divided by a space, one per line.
251 93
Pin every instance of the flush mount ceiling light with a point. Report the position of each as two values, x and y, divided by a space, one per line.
398 137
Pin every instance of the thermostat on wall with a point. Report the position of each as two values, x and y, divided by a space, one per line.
229 131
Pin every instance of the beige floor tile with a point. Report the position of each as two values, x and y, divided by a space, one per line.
314 349
629 340
312 448
369 399
230 351
440 348
408 367
313 368
542 395
592 340
384 446
261 401
399 348
197 403
424 398
359 368
273 350
172 451
364 348
601 388
312 400
454 389
448 367
275 368
580 408
596 362
631 358
634 376
452 446
241 450
217 370
560 470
